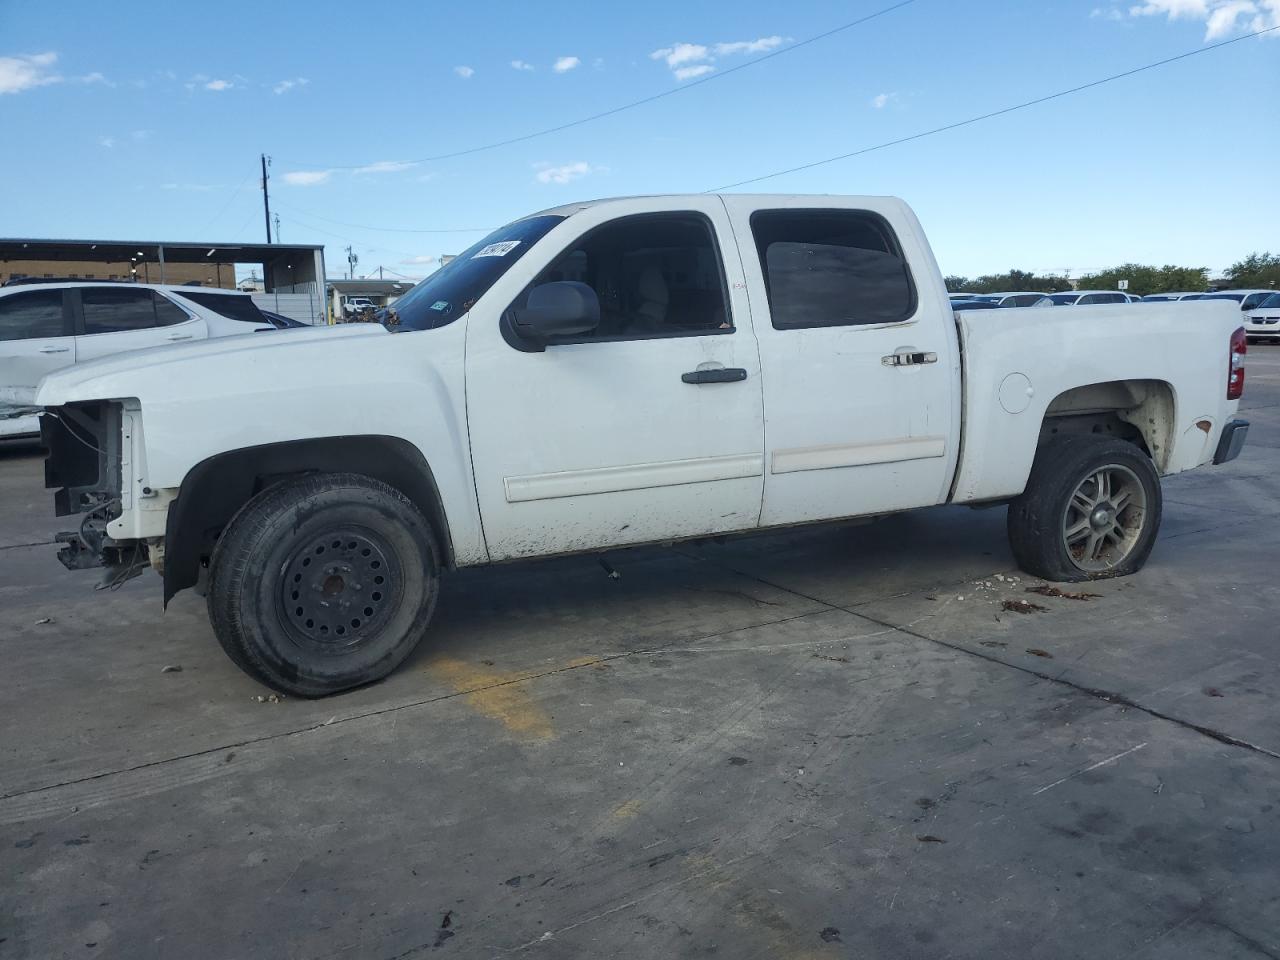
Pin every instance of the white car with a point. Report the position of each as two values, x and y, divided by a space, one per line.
1247 299
1015 298
45 327
1262 322
620 372
1086 298
1172 295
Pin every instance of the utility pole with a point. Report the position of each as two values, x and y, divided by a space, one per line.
352 260
276 217
379 271
266 200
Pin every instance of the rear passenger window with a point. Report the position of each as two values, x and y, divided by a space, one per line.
115 310
827 268
168 313
30 316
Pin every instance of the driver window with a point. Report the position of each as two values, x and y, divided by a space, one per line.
655 276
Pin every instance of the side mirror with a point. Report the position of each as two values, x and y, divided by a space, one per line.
557 309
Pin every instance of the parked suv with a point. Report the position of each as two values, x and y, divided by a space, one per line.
1085 298
45 327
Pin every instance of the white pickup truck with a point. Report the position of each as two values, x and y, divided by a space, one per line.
620 372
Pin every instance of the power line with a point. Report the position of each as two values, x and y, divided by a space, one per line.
994 113
226 206
361 226
643 100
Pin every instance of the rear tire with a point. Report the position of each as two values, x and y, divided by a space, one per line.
1091 510
325 583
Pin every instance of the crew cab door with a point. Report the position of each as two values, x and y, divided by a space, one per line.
35 340
647 428
114 319
860 363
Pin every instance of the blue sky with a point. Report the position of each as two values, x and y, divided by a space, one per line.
137 125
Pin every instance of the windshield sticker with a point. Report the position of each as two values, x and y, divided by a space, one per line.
497 249
440 305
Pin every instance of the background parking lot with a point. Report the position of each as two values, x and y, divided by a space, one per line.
831 742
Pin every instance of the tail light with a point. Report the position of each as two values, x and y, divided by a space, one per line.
1235 370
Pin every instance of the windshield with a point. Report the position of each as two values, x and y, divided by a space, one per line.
1064 299
450 292
1237 297
1272 301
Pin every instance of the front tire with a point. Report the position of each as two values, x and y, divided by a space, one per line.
1091 510
324 583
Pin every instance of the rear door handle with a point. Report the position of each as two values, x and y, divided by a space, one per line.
715 375
55 349
908 358
181 336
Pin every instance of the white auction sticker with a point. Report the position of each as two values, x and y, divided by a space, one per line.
497 249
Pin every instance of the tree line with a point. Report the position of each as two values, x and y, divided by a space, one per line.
1258 270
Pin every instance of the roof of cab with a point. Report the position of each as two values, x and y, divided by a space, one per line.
780 199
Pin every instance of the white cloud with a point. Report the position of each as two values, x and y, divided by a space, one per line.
679 53
140 135
689 60
386 166
762 45
26 71
95 77
466 73
1098 13
307 178
521 65
565 64
107 142
688 73
564 173
882 100
284 86
1221 18
219 85
414 261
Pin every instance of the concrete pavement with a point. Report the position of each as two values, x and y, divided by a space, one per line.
826 743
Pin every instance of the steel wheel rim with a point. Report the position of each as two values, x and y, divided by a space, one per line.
1104 518
338 587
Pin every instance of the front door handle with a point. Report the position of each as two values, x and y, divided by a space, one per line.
908 358
55 349
715 375
181 336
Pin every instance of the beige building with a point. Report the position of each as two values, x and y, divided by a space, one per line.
206 274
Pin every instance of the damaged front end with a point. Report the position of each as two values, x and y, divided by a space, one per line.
88 448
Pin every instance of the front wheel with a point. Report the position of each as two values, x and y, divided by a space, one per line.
323 583
1091 509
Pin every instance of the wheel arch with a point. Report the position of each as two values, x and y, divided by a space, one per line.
1141 411
215 489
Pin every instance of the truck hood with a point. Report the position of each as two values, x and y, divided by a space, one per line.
111 377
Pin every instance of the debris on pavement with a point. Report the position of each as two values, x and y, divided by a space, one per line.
823 656
613 574
992 643
43 620
929 838
1212 692
269 698
172 668
1046 590
830 935
1022 606
1037 652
